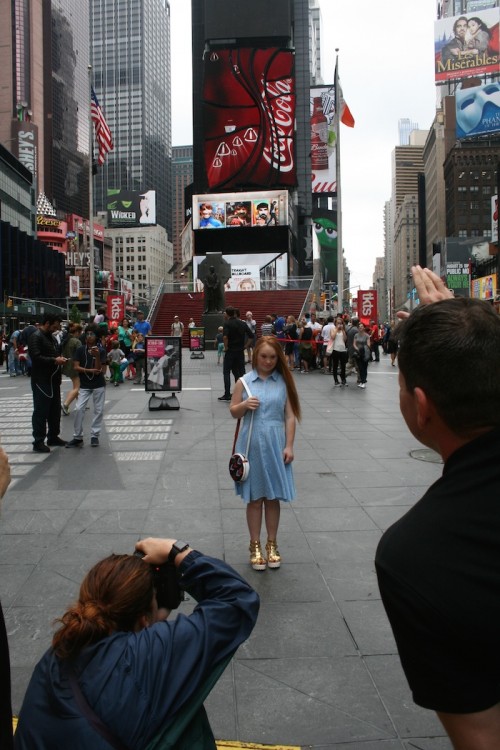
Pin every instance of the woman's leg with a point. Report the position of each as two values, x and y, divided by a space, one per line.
363 370
254 518
272 517
73 393
335 365
254 521
343 362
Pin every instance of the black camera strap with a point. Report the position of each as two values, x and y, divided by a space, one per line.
93 719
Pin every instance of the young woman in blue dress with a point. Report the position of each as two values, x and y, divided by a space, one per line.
274 403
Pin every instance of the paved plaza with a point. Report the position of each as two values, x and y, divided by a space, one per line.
320 670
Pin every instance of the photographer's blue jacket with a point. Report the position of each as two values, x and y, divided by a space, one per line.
144 685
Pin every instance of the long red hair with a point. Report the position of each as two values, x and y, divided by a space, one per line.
282 368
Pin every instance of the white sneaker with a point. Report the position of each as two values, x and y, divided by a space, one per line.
361 385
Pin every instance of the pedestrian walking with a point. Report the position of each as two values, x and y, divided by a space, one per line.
234 335
361 344
339 352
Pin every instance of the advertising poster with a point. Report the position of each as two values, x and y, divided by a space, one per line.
323 140
243 279
163 364
325 242
484 288
249 116
458 278
74 286
467 45
131 208
367 305
478 110
494 218
127 290
197 339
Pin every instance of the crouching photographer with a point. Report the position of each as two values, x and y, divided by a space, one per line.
119 674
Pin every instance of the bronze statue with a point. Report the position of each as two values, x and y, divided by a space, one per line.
213 296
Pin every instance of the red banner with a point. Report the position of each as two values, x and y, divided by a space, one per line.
249 116
115 307
367 305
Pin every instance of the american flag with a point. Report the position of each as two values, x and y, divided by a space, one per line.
102 131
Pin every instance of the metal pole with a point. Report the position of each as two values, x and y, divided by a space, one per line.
90 246
340 254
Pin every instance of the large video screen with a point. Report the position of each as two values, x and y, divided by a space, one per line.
237 210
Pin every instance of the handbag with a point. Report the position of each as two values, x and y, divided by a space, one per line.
239 465
329 346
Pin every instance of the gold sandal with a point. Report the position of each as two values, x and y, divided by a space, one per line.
257 559
273 556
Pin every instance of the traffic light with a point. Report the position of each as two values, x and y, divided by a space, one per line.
323 299
10 303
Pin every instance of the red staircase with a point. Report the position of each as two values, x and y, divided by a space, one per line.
190 305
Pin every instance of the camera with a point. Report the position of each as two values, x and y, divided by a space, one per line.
166 582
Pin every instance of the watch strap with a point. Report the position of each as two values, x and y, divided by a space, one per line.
177 547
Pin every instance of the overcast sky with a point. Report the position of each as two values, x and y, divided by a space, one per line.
386 72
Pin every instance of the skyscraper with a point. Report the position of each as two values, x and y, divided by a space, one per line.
405 127
182 176
24 100
131 69
68 180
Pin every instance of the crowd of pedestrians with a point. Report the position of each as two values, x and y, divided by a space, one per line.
340 346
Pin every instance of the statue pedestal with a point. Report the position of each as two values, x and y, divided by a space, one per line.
211 322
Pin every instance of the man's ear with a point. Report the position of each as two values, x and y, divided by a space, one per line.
424 407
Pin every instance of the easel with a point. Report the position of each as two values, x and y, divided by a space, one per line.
164 403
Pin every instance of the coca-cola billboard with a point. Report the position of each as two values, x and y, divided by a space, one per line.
249 117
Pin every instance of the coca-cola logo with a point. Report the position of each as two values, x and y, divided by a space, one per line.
278 104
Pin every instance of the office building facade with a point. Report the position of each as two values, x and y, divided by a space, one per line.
130 55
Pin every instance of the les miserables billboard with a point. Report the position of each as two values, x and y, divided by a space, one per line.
249 118
467 45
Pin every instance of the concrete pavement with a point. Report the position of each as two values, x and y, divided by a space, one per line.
320 669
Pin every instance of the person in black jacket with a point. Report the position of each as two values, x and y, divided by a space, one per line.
5 700
46 362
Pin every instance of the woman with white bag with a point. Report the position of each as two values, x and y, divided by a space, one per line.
274 403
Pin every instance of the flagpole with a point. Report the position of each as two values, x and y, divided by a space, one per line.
340 254
90 245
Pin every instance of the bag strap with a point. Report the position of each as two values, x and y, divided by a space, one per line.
236 432
92 718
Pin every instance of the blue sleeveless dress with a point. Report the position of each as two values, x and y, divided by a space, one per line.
269 476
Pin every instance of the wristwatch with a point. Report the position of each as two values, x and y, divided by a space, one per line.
177 548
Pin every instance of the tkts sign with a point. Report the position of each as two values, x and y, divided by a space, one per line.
249 115
115 307
367 305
